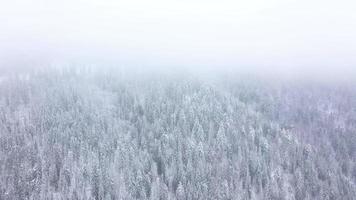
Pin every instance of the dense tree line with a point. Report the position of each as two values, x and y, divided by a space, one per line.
80 133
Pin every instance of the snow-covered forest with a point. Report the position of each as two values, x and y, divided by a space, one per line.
79 133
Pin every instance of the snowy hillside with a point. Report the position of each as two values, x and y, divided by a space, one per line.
114 135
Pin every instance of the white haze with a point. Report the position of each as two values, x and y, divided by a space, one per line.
307 38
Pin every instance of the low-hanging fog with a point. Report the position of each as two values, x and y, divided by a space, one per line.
314 39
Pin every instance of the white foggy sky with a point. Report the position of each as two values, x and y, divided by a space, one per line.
285 35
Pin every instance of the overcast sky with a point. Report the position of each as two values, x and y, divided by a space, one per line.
286 35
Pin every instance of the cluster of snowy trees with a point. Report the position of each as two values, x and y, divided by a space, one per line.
84 134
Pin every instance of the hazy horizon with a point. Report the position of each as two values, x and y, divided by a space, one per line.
289 38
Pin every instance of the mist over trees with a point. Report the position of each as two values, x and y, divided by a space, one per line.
80 133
